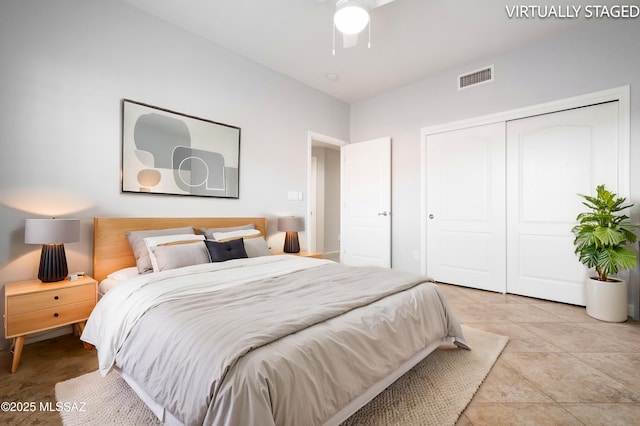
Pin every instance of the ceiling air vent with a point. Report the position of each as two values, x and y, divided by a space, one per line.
473 78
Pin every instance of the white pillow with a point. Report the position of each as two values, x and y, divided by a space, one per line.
166 240
208 232
223 236
124 274
107 284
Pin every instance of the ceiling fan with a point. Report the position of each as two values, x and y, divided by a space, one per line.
351 18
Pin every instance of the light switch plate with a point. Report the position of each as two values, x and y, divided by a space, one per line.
294 196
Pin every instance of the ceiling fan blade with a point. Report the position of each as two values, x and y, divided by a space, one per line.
349 40
377 3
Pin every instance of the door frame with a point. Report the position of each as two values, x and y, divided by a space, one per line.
312 219
323 139
620 94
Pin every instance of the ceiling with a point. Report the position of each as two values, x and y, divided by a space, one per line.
410 39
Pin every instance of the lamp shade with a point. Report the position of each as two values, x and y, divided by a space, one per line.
351 17
51 231
52 234
290 224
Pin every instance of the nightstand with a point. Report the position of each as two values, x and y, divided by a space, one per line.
33 306
315 254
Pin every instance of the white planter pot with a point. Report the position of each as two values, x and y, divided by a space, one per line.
607 300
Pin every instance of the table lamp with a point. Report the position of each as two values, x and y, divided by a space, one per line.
291 225
52 234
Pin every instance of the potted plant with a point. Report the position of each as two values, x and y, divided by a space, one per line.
601 237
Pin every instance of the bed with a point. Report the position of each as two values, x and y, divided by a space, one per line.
269 340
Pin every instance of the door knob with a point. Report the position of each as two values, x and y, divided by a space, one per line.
431 216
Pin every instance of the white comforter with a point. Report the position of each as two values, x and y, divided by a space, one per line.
273 340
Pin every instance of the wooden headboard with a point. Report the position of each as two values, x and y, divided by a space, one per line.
111 250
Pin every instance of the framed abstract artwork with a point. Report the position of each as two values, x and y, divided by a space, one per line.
166 152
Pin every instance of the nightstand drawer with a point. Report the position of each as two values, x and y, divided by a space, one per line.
48 318
23 303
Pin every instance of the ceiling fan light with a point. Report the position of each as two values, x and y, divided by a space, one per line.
351 17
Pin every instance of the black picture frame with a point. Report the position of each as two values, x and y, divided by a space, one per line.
171 153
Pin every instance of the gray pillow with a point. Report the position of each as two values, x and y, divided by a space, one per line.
179 255
256 247
139 248
208 232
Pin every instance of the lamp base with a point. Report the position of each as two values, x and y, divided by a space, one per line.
53 263
291 243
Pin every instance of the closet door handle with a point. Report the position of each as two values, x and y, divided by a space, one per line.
384 213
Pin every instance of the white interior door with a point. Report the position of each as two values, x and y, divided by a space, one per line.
466 207
366 203
550 159
313 235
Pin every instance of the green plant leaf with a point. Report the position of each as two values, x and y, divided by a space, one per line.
626 258
607 236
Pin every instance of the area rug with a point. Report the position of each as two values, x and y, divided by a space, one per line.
434 392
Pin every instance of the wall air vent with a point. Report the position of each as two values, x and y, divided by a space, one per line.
473 78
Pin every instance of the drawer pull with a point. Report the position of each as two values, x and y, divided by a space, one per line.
55 297
55 315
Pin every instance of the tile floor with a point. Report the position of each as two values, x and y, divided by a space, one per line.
560 366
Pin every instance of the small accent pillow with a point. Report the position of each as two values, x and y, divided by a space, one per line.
208 232
179 255
223 251
256 247
167 240
232 235
139 248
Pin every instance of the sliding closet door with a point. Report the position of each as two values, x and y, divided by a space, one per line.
550 159
466 207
